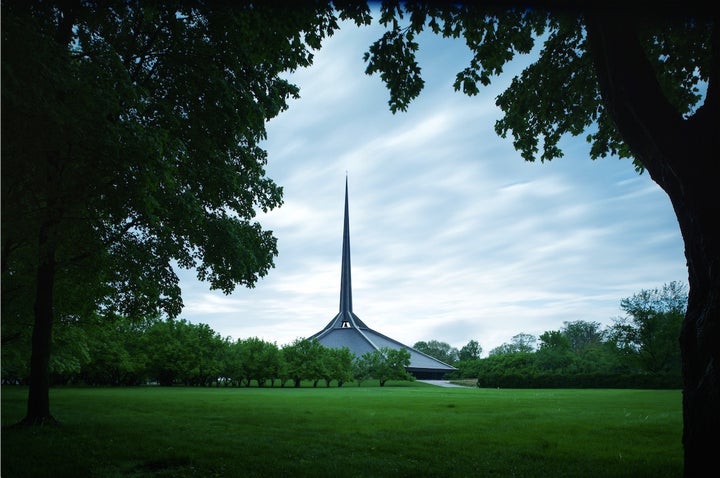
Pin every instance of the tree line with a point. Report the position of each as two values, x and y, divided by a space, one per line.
638 350
169 352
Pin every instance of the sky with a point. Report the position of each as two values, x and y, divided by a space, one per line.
453 236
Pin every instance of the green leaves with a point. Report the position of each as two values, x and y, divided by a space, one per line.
139 134
554 96
393 56
557 95
649 332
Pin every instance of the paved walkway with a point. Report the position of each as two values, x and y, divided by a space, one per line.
442 383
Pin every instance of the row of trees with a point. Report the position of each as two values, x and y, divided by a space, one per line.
639 349
167 352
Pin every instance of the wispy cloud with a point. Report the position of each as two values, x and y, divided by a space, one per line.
453 236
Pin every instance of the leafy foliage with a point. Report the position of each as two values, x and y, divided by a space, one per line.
520 343
131 146
384 364
442 351
471 351
648 334
169 352
556 95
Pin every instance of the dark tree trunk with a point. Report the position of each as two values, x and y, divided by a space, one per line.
681 157
38 404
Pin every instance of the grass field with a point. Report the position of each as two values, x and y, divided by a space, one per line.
400 430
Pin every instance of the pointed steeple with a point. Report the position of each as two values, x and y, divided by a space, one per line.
345 282
346 330
346 318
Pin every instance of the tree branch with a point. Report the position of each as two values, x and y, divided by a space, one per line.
631 92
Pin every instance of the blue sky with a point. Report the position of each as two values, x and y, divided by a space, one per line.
454 237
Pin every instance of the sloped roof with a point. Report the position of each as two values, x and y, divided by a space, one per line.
362 341
347 330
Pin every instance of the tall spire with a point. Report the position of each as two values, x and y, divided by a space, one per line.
345 318
345 282
348 331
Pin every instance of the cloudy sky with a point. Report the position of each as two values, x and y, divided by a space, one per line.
453 236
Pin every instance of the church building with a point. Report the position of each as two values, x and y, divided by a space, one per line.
347 330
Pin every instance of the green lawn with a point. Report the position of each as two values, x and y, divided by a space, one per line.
394 431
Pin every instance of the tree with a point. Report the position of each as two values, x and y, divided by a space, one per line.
337 365
168 358
442 351
234 369
207 349
362 367
520 343
283 368
649 331
640 83
554 352
582 335
131 144
303 359
390 364
116 353
511 369
260 360
471 351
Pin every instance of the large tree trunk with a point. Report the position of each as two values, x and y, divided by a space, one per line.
38 404
681 156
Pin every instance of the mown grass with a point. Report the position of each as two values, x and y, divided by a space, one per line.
393 431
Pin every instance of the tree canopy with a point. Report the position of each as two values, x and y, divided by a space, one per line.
442 351
131 146
651 327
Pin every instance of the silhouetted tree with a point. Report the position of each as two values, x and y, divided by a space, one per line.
131 142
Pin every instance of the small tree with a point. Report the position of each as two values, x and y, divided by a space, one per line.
234 367
520 343
283 372
362 367
338 365
303 359
117 354
389 364
471 351
582 335
167 357
442 351
555 352
259 360
648 333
